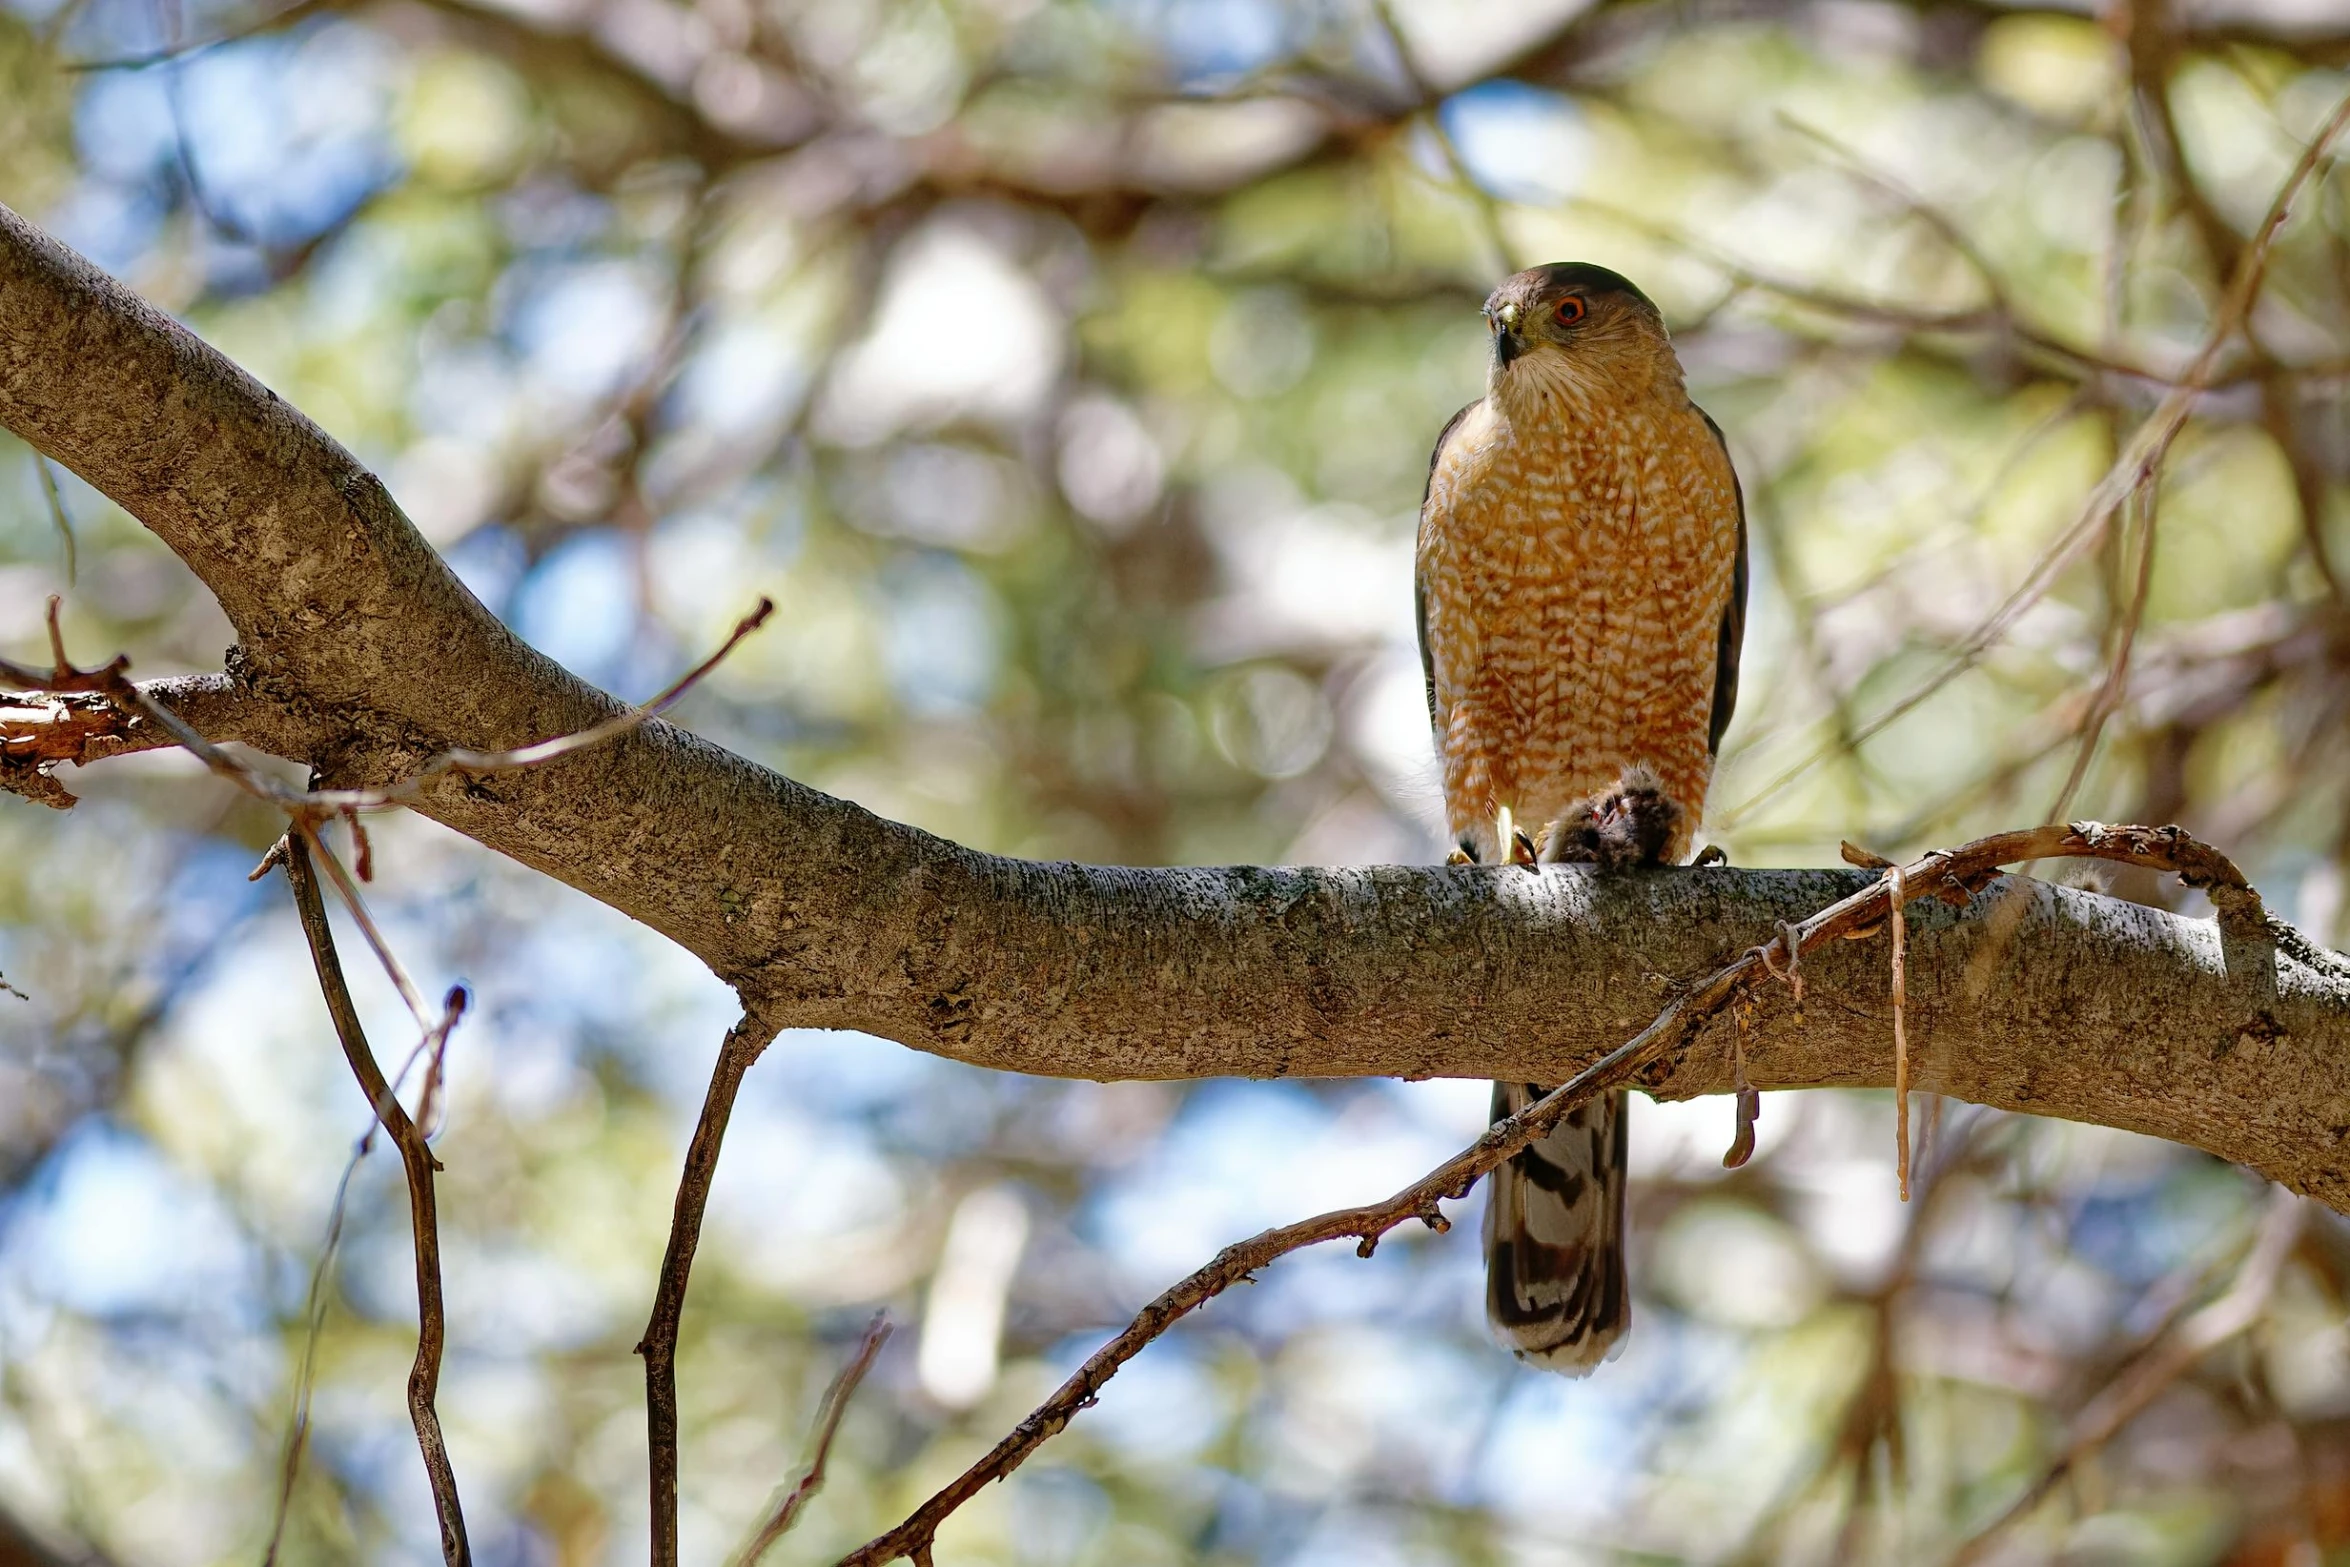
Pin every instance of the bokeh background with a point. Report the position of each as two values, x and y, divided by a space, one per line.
1066 371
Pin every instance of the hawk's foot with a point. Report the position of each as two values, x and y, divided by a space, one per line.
1628 826
1516 847
1520 849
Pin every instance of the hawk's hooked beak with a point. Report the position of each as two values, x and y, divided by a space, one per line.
1507 344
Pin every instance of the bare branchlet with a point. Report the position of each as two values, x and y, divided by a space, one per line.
744 1044
416 1158
90 706
835 1404
2183 1343
313 1329
2135 470
94 712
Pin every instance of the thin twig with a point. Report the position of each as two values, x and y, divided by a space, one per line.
828 1413
63 677
2139 464
1951 231
2036 346
314 1313
314 1324
459 760
59 516
744 1042
362 853
2153 73
1900 1029
1872 1413
2127 1396
2116 683
113 682
348 891
1946 873
432 1328
1497 243
274 21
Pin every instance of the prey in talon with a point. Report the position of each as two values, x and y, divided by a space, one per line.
1631 825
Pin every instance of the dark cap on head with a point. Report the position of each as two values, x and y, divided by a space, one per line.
1557 277
1569 306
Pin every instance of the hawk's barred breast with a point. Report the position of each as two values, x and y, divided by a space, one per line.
1575 555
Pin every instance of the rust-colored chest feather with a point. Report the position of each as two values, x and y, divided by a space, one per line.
1575 564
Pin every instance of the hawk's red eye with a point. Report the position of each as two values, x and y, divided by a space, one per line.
1571 310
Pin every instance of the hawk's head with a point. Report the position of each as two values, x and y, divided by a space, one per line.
1584 325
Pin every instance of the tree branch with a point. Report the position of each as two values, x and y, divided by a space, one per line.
2127 1395
431 1323
828 1413
744 1043
369 658
1945 874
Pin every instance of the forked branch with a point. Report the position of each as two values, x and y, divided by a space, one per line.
1951 874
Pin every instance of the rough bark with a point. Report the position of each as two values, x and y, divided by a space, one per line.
360 653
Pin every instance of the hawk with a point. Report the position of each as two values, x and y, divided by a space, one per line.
1580 590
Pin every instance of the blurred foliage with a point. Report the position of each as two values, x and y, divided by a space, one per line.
1066 370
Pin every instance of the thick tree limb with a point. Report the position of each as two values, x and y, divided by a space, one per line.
1948 874
362 655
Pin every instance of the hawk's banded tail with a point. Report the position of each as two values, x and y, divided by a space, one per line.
1554 1236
